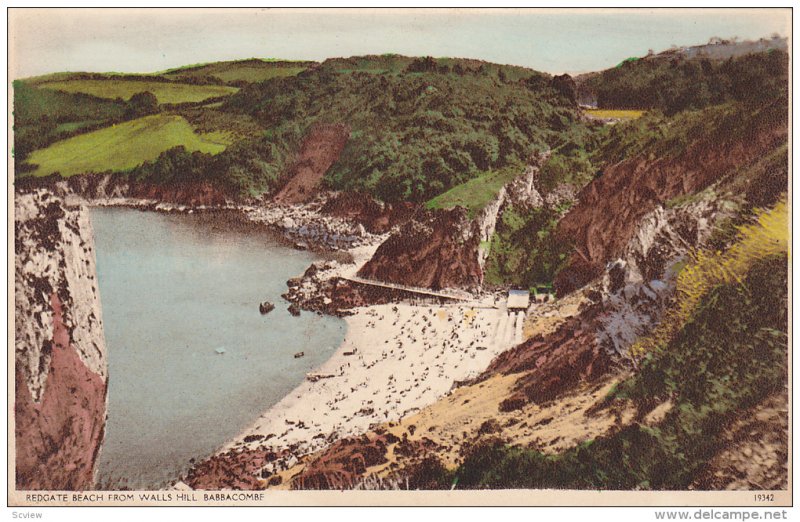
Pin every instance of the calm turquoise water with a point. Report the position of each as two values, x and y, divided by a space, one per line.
174 289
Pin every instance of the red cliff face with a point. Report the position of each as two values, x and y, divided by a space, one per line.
191 194
553 364
434 250
110 186
611 207
341 465
58 437
60 362
235 469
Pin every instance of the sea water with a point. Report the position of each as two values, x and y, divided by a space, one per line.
191 360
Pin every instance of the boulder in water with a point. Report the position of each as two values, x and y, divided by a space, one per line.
266 307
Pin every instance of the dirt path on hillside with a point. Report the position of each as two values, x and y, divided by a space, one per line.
321 148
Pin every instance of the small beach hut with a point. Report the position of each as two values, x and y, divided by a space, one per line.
518 300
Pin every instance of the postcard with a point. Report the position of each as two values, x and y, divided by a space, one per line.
394 257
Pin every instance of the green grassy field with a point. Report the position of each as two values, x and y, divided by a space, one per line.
32 106
165 92
123 146
250 71
477 192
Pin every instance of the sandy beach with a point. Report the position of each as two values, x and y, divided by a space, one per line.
395 360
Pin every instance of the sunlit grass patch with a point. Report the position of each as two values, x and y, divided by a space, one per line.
615 114
124 146
767 236
251 71
165 92
477 192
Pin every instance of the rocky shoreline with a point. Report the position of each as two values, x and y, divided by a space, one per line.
307 227
328 222
303 226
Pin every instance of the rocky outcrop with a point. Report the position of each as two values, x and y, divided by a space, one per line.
88 186
521 192
309 226
611 207
377 217
638 286
344 462
436 250
565 86
320 149
96 186
115 188
235 469
201 193
322 292
443 248
487 218
60 354
552 364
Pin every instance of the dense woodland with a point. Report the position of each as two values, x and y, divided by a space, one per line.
421 126
675 84
417 132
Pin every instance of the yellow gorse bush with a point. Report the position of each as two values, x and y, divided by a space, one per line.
766 236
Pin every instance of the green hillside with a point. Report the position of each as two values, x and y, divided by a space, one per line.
677 83
43 116
419 127
418 131
123 146
165 92
247 71
477 192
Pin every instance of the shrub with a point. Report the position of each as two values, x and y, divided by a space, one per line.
524 249
767 236
730 354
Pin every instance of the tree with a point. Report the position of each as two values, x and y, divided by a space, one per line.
142 104
565 86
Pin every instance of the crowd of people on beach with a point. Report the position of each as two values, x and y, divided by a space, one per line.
395 359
